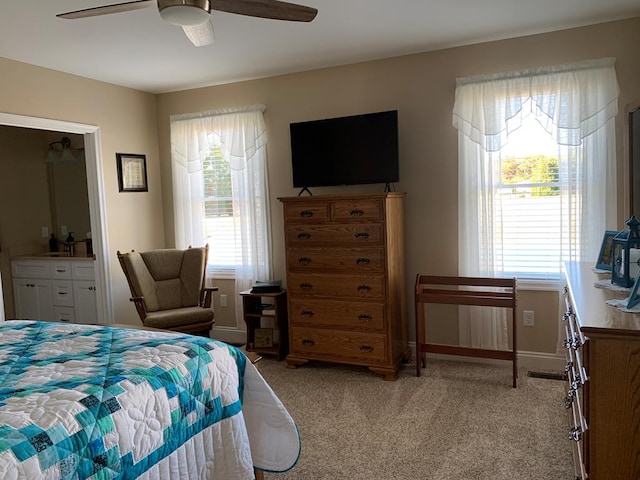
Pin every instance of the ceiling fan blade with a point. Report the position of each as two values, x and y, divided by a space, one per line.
107 9
200 35
273 9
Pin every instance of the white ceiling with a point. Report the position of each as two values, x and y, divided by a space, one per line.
138 49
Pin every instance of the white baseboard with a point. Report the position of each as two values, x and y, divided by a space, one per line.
534 361
229 335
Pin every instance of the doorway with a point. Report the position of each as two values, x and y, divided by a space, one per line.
95 187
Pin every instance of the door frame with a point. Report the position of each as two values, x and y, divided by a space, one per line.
95 188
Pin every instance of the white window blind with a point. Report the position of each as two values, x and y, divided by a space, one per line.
529 203
218 218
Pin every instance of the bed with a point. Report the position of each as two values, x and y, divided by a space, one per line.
95 402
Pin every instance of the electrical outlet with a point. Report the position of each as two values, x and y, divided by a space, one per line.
223 300
528 319
45 232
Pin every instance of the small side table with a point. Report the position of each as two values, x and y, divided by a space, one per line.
265 315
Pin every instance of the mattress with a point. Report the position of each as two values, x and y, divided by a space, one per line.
91 402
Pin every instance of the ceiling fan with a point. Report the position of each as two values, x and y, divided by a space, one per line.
194 16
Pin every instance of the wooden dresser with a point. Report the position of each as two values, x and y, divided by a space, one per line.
346 280
603 367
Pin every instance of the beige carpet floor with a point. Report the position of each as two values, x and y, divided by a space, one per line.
458 421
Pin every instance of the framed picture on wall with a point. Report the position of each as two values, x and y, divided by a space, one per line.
132 172
605 260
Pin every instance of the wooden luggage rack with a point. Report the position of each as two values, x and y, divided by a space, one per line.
486 292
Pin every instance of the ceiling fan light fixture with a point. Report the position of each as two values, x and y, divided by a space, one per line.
185 12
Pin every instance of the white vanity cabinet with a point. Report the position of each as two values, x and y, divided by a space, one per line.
33 298
54 289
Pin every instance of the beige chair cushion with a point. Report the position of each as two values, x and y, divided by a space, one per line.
167 279
174 318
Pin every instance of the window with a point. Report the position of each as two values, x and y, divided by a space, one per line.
536 164
528 192
220 192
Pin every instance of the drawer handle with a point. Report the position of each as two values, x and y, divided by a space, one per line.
575 433
61 270
363 317
63 293
306 313
306 286
306 213
567 402
568 367
570 394
572 343
304 260
356 212
363 261
304 236
565 290
364 288
366 348
362 235
308 342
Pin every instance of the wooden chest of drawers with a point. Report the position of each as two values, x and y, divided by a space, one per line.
603 370
346 281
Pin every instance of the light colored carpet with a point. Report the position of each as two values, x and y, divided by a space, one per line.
457 421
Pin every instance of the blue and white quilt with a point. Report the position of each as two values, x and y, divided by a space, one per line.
89 402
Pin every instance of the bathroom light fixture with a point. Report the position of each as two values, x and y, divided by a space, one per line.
61 151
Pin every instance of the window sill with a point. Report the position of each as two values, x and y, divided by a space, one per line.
525 284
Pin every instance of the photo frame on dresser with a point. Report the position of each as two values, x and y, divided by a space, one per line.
634 298
605 260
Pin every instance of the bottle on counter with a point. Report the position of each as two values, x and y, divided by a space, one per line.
89 244
70 237
53 243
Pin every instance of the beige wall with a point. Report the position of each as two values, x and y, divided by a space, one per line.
127 121
421 87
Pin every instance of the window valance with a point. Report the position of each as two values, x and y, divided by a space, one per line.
570 102
239 132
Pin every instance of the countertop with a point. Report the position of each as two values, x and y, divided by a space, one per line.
57 257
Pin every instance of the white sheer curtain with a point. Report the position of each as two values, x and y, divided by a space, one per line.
576 104
242 137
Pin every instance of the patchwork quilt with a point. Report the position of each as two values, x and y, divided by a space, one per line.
89 402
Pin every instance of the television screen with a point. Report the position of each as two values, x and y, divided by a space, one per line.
345 151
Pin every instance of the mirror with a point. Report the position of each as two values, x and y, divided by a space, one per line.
69 199
632 151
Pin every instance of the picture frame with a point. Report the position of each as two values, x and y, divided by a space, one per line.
634 298
132 172
605 260
263 338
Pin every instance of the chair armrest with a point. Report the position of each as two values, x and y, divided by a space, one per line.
140 307
207 295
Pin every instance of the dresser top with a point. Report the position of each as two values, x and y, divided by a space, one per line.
589 302
354 196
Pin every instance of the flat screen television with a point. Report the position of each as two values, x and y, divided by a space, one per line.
350 150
